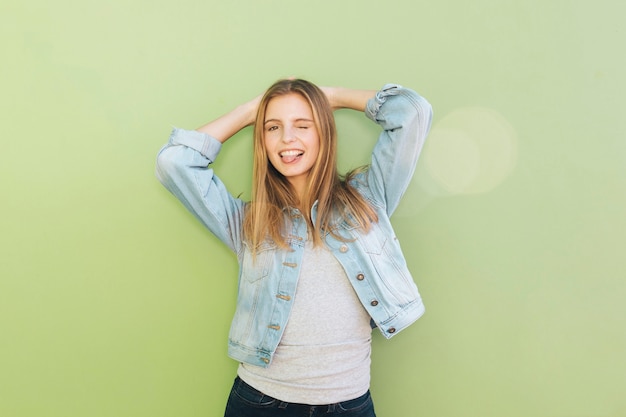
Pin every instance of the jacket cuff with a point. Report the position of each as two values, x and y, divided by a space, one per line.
205 144
374 104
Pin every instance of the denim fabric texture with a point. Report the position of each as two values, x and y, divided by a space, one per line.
373 262
245 401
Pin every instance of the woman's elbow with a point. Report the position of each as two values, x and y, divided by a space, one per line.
166 164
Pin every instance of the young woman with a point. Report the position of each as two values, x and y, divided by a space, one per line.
320 265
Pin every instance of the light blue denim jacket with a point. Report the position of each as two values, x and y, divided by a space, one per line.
373 262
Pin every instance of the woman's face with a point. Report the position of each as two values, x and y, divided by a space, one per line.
290 136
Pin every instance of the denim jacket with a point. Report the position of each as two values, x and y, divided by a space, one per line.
373 262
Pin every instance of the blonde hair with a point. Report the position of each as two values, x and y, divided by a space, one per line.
272 193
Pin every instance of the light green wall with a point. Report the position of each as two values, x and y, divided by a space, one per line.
115 302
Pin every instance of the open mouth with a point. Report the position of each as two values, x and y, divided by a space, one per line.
290 155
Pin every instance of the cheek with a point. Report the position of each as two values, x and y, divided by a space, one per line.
270 156
264 153
270 139
315 144
267 147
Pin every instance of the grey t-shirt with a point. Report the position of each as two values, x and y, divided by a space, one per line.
324 354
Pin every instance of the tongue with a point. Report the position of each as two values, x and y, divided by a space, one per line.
290 158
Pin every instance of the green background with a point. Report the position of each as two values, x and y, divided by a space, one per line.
115 302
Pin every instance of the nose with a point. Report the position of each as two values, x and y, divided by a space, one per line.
289 135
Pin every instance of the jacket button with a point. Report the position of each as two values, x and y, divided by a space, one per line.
265 360
343 248
360 277
374 303
391 330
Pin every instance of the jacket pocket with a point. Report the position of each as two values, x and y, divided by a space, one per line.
390 265
374 242
259 266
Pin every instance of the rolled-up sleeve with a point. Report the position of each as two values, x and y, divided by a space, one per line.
183 168
405 117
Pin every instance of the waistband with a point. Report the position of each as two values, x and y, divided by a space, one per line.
253 395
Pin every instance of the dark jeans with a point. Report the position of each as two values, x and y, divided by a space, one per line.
245 401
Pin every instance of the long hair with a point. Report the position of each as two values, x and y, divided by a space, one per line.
272 193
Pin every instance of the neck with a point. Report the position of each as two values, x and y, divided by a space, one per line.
299 187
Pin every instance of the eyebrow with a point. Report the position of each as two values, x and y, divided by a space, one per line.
302 119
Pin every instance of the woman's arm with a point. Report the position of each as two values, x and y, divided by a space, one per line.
183 167
405 118
347 98
226 126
